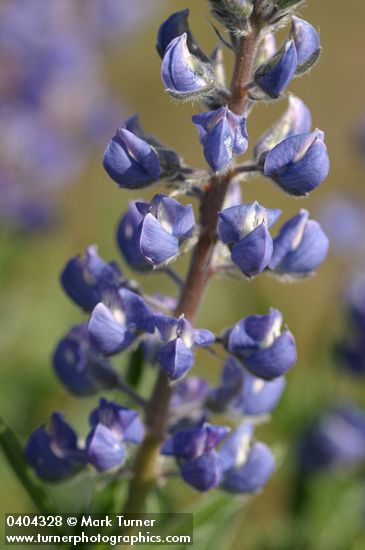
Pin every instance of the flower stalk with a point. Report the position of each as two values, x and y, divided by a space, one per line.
146 469
258 349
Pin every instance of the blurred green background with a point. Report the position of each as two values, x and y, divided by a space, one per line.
35 313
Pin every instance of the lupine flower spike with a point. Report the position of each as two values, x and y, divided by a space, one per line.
177 422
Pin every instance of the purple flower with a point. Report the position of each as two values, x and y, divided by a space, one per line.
165 226
121 421
194 448
336 440
111 427
296 120
241 393
252 253
130 161
244 228
176 356
172 28
203 473
79 366
238 221
184 74
223 134
245 469
233 198
128 237
298 164
54 454
115 324
276 74
257 341
236 446
194 442
232 382
168 159
258 396
307 43
104 450
135 159
300 247
86 278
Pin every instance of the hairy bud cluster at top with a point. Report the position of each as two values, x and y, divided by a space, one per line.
259 348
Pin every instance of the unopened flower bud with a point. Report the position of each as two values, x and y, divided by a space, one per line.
134 160
276 74
79 365
300 247
131 161
307 43
128 237
296 120
299 163
54 453
185 75
174 26
85 278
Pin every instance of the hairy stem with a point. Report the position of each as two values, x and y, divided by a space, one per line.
157 412
244 62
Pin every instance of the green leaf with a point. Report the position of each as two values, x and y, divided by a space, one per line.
135 367
215 526
158 501
206 513
13 451
223 531
109 499
207 508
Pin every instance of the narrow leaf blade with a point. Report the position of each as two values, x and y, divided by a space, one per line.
13 451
